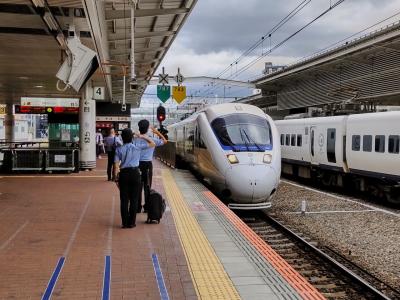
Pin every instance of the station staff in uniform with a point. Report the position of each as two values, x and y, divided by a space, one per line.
111 143
127 161
146 165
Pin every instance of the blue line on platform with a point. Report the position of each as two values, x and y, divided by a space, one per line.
53 280
160 278
107 278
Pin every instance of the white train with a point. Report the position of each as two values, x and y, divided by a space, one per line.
235 147
357 151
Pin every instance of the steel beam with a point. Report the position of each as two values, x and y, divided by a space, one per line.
118 37
118 52
140 13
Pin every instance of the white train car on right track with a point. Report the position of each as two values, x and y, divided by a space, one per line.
358 151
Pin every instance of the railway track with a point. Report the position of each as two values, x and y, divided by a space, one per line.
332 274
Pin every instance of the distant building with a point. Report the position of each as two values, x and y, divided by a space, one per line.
270 68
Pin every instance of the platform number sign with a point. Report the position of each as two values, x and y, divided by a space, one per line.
179 93
98 93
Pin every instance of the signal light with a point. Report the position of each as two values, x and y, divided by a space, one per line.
161 113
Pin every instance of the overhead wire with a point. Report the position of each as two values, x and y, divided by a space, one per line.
254 61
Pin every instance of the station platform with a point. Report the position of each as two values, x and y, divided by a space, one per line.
61 238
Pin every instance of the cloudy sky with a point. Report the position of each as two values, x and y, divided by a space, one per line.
219 31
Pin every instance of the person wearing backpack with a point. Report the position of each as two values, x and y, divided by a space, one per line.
127 174
146 165
111 143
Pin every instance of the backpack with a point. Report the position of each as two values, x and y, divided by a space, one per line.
155 207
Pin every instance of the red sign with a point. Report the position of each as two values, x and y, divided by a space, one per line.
104 125
20 109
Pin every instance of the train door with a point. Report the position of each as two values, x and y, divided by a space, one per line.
312 143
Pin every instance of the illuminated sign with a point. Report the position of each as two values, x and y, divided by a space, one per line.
20 109
50 102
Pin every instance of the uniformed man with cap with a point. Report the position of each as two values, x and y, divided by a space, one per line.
146 164
126 163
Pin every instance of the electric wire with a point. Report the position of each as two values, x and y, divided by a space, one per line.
254 61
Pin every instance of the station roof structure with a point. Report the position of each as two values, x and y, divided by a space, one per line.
30 54
364 69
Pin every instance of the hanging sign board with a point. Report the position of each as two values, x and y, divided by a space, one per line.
2 110
179 93
163 92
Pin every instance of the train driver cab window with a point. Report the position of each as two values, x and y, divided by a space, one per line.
243 132
331 145
293 140
282 139
380 143
299 140
394 143
355 143
367 143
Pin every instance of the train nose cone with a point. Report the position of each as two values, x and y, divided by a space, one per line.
251 184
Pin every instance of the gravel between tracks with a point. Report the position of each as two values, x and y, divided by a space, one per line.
372 237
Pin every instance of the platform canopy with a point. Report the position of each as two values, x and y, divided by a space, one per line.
362 70
30 54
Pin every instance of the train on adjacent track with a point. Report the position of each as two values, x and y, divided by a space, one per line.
358 151
235 148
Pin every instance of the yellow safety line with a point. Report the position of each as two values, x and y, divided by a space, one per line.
209 277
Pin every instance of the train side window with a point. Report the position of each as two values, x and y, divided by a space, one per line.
356 142
293 140
299 140
287 140
312 142
394 143
331 145
367 143
380 143
282 139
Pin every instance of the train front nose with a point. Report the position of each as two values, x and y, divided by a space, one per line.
251 184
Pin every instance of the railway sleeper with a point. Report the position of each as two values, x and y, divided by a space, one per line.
335 295
285 246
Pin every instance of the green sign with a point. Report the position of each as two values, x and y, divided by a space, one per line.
163 92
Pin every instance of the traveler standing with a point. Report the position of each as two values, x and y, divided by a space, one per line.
111 142
99 143
127 161
146 164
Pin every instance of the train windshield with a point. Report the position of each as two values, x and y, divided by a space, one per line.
243 132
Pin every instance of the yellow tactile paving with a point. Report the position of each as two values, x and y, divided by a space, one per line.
208 275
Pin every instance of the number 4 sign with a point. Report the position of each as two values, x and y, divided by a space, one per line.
98 93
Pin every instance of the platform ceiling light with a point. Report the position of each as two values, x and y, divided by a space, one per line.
50 21
267 158
38 86
38 3
232 158
23 77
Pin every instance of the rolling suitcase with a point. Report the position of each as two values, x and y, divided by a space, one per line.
155 207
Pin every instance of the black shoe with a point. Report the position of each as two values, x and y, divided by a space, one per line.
125 226
132 226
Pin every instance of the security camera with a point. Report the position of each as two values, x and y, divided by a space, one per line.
133 84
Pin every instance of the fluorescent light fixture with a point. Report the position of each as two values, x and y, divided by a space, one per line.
38 3
23 77
38 86
61 40
50 21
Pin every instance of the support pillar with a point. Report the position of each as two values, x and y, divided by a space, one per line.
87 129
9 123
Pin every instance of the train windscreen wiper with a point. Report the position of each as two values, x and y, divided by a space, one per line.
252 141
243 139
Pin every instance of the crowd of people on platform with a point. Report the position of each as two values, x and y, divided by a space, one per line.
130 165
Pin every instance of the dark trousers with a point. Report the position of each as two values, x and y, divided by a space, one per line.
146 168
110 163
129 183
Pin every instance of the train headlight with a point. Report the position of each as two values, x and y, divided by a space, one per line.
267 158
232 158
